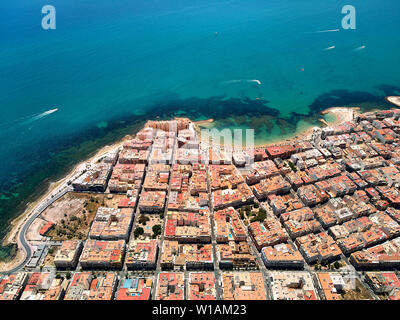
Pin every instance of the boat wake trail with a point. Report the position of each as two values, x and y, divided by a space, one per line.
28 119
359 48
40 115
330 30
242 81
329 48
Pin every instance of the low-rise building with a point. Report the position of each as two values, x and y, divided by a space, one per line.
103 287
332 284
189 256
12 285
102 254
126 177
283 151
68 254
267 234
152 201
300 222
94 179
171 286
292 286
201 286
385 284
318 248
283 255
198 180
46 228
224 176
228 226
272 185
243 286
112 224
284 203
157 177
224 198
191 227
385 255
261 170
311 195
135 288
44 286
235 255
134 156
86 286
141 254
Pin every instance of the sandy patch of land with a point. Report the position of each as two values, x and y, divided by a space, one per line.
65 206
74 212
32 234
357 293
73 215
394 100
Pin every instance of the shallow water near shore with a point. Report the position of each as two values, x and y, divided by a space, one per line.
107 68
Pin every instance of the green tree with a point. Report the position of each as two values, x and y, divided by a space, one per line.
138 232
292 166
156 230
143 219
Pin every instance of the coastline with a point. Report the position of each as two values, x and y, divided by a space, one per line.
340 114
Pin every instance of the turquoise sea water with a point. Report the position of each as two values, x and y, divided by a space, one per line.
112 63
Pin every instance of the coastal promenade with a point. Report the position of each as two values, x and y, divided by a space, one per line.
22 234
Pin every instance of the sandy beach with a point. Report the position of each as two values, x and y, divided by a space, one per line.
340 114
394 100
